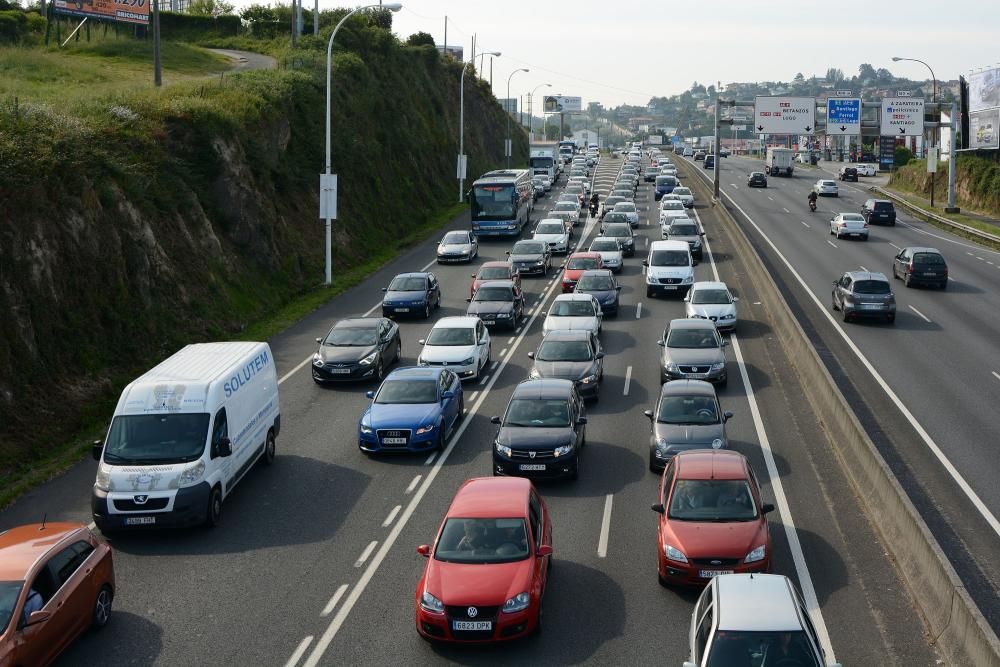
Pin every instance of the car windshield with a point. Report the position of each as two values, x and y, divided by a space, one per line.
9 590
539 413
883 206
574 308
605 246
692 339
668 258
613 218
564 350
761 649
691 410
492 293
927 258
408 284
665 180
575 188
683 230
565 206
570 197
481 541
712 500
494 273
456 237
617 229
407 392
828 183
672 205
625 207
351 336
451 336
871 287
581 263
527 248
550 228
613 201
710 296
682 192
159 438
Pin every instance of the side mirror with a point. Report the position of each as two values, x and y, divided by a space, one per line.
37 617
495 419
421 341
659 508
701 233
600 355
473 275
618 288
736 299
649 414
581 421
836 282
531 355
767 508
468 300
319 340
424 550
224 448
726 416
661 343
385 289
725 342
445 395
369 394
97 447
544 550
645 262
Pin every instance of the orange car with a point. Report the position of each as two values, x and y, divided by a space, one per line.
56 580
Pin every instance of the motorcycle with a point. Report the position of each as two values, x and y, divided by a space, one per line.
812 205
593 210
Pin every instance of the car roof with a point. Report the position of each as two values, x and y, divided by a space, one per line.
555 221
21 547
415 373
691 323
881 201
687 388
669 245
867 275
608 239
595 272
709 284
710 464
916 249
482 497
756 602
357 323
567 334
495 264
457 321
585 255
543 388
574 296
412 274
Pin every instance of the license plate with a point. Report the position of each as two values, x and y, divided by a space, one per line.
871 306
140 520
928 273
532 466
340 370
708 574
402 310
394 441
668 286
472 625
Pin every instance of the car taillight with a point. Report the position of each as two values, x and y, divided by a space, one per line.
909 268
866 225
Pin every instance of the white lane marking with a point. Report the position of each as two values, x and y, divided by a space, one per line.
297 655
798 558
804 223
996 375
372 309
510 340
981 259
352 599
926 319
948 240
735 186
295 370
990 263
518 330
93 526
366 553
388 520
413 484
334 600
973 497
638 310
495 364
785 209
474 394
894 245
602 542
832 243
969 253
503 352
486 378
429 264
628 380
770 197
430 459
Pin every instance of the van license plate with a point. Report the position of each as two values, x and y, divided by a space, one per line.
532 466
140 520
393 441
472 625
708 574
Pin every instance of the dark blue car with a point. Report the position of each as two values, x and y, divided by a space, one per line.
601 284
414 410
411 294
664 186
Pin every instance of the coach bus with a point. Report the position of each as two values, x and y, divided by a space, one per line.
501 202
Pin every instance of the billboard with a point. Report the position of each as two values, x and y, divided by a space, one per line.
508 104
843 116
984 129
654 139
128 11
562 104
784 115
984 90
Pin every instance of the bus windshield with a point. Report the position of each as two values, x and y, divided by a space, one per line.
493 202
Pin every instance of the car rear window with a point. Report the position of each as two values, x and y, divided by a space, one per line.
871 287
883 206
928 258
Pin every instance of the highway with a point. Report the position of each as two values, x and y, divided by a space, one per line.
941 359
315 560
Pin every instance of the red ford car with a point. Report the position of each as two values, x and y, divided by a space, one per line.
494 271
487 569
576 264
712 520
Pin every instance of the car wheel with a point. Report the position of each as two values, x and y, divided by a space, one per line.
847 315
652 464
213 515
649 291
379 370
267 458
440 442
833 304
102 607
461 407
575 475
427 311
944 285
906 280
724 383
663 582
399 351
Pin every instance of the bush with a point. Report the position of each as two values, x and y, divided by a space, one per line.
189 28
13 26
419 39
903 156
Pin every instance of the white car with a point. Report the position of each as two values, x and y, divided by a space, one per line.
711 300
610 251
458 246
553 232
567 211
573 312
668 170
460 343
865 169
849 224
688 152
630 211
671 208
826 187
686 196
546 181
585 182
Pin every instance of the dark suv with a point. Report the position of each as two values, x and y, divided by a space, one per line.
849 174
921 266
864 294
879 211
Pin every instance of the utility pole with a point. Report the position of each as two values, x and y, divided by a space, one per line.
951 208
295 23
445 35
718 166
316 18
157 73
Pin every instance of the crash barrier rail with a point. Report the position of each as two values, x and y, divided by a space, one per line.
913 208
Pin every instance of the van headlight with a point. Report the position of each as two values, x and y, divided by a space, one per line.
367 361
687 280
103 481
191 475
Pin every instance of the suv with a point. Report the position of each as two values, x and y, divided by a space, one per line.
879 210
864 294
700 155
921 266
849 174
709 162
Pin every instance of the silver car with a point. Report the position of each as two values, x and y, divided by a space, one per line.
824 187
693 350
864 294
710 300
687 416
849 224
610 251
458 246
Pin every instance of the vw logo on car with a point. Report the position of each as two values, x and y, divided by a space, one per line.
473 612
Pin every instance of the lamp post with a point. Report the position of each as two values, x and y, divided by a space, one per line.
460 164
328 180
531 112
936 135
509 147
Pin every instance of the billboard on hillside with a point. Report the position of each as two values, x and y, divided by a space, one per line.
654 139
984 90
127 11
562 104
984 129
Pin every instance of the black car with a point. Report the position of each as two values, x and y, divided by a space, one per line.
849 174
621 232
879 211
612 218
498 302
571 355
601 284
357 349
541 432
921 266
757 179
530 257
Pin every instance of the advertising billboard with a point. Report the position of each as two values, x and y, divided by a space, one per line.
984 129
562 104
127 11
984 90
508 104
654 139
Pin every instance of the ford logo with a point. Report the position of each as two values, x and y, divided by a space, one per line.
716 562
473 612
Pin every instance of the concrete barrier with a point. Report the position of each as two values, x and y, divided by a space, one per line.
955 623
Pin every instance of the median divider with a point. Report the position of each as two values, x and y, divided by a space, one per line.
917 211
954 621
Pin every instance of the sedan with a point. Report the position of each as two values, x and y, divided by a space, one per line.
712 301
630 211
460 343
458 246
499 302
650 175
579 312
824 187
357 349
494 271
610 203
530 257
864 294
566 211
576 356
610 251
866 169
684 229
574 267
687 416
849 224
555 233
601 285
757 179
693 350
414 410
712 522
411 293
488 568
621 232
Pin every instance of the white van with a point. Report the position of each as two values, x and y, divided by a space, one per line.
184 434
669 269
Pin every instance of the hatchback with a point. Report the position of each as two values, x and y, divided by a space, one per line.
494 271
712 301
410 293
824 187
576 356
687 416
757 179
460 343
601 284
498 302
921 266
694 350
575 265
458 246
864 294
879 211
357 349
848 174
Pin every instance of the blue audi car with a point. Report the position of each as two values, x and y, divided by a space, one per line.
414 410
411 294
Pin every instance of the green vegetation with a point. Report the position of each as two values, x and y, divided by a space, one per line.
903 156
977 183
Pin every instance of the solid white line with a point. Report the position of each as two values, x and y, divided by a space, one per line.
602 542
366 553
996 375
430 459
334 600
628 380
926 319
832 243
295 370
429 264
388 520
303 645
372 309
804 223
638 310
413 484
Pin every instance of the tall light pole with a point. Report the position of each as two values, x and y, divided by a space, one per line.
328 180
509 148
936 135
531 112
461 163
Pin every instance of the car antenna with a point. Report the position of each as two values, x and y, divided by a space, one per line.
45 516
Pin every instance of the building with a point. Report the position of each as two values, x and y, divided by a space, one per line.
455 52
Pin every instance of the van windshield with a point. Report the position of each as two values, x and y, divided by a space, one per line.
146 439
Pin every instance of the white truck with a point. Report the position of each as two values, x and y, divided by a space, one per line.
779 162
543 160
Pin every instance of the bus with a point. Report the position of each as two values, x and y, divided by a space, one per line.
501 202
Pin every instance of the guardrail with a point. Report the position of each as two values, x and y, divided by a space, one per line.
978 233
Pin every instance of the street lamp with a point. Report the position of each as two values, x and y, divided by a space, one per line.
460 165
327 180
509 147
936 135
531 112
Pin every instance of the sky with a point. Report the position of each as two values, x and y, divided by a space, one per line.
627 51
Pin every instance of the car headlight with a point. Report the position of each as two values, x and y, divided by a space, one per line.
317 359
103 481
756 555
535 374
367 361
564 450
503 316
191 475
366 429
661 444
674 554
670 367
430 603
719 366
717 443
503 449
467 362
539 262
519 602
425 429
728 316
511 226
589 379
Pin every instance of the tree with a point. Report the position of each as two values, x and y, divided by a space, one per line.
697 88
380 18
420 39
834 75
866 72
799 79
883 77
210 7
256 13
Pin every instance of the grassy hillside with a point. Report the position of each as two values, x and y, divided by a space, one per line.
977 182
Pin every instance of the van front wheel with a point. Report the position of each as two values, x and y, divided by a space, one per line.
214 514
269 446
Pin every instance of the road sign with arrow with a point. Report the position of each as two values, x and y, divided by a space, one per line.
843 116
902 117
784 115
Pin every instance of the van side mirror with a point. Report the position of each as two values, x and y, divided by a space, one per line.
97 448
582 421
600 355
424 550
659 508
224 448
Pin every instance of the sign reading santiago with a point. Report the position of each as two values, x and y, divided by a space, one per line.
843 116
784 115
562 104
902 117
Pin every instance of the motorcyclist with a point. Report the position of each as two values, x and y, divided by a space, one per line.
812 199
595 202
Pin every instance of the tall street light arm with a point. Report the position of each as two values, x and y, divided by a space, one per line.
510 146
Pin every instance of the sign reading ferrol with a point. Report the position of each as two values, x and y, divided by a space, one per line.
902 117
784 115
843 116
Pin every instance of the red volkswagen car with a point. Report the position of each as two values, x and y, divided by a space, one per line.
487 570
712 520
576 264
494 271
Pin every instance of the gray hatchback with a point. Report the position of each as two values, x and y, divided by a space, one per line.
687 416
864 294
693 350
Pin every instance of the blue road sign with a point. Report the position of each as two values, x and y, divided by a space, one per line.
843 116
